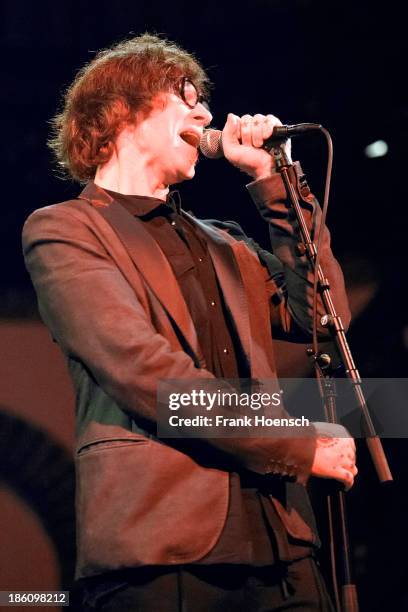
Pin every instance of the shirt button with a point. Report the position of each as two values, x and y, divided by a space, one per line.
226 351
200 259
212 303
173 223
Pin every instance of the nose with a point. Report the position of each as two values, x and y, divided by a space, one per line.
202 114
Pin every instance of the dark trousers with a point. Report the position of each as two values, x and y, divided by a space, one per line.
216 588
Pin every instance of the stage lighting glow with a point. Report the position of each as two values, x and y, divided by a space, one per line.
379 148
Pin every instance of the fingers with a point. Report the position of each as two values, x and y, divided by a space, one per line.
246 130
346 468
243 139
346 478
232 130
254 130
268 124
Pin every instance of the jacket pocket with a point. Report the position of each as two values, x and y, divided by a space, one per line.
106 444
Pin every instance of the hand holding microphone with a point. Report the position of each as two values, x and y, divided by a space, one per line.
243 139
246 141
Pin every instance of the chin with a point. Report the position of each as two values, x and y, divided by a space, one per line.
185 175
191 173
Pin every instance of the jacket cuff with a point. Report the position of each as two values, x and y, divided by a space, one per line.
269 194
298 467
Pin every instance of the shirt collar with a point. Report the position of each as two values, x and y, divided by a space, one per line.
137 205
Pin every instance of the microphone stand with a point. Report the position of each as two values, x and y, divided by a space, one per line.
333 322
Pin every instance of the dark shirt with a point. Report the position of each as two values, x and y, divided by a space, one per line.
253 533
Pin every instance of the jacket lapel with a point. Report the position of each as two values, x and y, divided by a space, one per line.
230 279
242 282
148 259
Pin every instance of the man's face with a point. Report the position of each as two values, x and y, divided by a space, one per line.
169 136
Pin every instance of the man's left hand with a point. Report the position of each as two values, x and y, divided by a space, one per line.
242 139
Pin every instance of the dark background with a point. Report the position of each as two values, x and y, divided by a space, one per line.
342 64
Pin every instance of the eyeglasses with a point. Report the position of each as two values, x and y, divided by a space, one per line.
189 94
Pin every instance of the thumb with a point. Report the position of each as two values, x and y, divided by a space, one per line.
231 132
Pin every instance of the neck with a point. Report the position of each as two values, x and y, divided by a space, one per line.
130 176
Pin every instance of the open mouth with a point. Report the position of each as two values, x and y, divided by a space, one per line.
191 138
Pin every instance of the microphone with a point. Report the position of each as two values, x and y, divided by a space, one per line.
211 140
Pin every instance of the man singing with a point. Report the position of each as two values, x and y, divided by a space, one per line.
135 290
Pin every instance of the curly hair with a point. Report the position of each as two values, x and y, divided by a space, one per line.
109 92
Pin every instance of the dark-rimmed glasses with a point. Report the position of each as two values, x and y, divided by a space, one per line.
190 95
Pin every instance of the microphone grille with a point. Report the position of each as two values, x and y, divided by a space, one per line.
211 144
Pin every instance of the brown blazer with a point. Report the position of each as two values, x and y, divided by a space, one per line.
111 301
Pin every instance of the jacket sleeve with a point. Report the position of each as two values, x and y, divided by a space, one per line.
290 275
94 315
